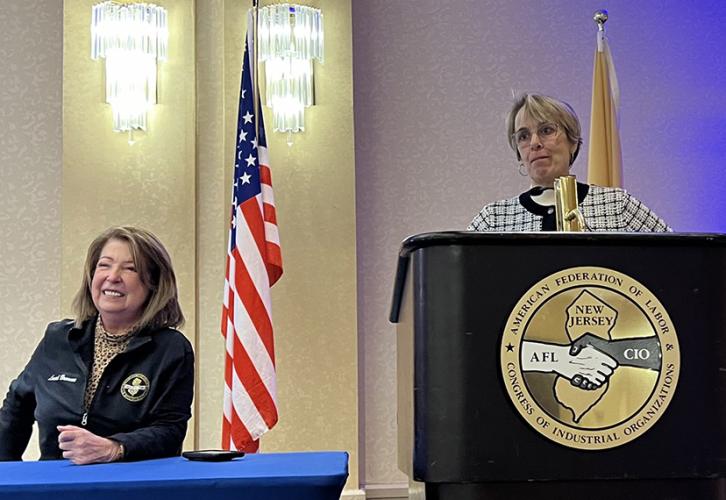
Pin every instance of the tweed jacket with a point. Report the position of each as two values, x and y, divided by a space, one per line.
604 209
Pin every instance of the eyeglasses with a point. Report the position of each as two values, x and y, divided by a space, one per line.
546 132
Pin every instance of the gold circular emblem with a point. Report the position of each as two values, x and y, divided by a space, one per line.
135 387
590 358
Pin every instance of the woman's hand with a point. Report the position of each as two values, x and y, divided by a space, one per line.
81 446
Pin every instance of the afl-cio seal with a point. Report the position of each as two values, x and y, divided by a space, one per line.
590 358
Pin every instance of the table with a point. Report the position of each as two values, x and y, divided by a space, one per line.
310 475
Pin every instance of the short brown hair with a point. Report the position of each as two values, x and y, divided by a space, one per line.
546 109
153 264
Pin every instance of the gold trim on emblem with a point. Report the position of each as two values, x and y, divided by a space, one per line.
135 387
590 358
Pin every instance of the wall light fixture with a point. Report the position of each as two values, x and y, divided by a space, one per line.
132 38
289 38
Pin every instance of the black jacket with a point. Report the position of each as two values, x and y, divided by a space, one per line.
143 399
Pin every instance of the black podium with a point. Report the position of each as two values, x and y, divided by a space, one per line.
465 302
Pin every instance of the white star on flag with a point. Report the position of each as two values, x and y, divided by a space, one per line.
248 117
245 178
242 136
250 160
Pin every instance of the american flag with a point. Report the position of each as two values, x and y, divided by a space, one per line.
254 264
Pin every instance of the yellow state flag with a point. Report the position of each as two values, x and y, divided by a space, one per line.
604 163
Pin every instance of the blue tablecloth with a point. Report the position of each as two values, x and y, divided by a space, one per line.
312 475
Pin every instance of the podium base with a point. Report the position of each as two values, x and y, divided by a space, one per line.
662 489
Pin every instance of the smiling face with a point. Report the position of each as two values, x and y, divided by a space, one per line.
116 289
547 157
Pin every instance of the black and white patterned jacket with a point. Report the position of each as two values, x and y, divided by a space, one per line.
604 209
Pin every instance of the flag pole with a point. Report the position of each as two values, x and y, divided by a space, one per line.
255 79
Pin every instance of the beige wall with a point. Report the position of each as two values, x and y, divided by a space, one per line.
31 44
213 201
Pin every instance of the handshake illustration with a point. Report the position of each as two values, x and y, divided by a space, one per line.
589 361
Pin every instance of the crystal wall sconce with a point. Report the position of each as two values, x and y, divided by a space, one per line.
131 38
289 38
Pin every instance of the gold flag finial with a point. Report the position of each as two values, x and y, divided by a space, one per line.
600 17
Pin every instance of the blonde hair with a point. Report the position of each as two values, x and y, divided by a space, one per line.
544 108
153 265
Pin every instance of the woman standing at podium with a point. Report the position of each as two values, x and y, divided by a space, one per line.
545 135
115 383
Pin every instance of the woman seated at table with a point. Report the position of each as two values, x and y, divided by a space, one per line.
116 383
545 134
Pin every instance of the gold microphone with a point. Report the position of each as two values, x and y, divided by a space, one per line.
569 217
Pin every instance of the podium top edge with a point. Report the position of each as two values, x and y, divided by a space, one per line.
468 238
423 240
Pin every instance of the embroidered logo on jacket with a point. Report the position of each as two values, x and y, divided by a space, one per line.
62 378
135 387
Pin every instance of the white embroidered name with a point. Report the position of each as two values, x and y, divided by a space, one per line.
62 378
